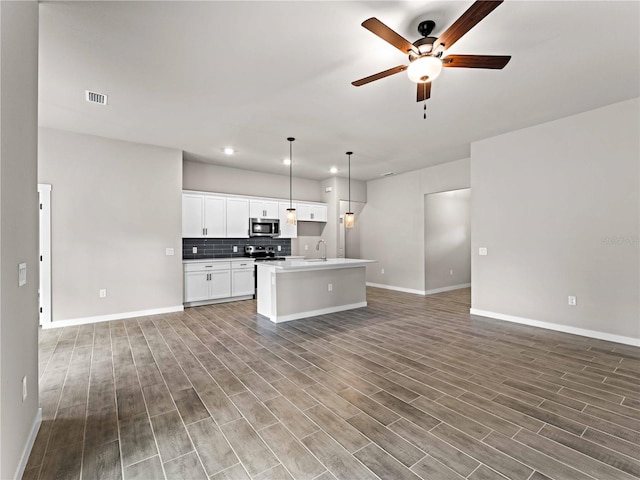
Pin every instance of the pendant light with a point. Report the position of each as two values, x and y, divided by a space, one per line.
349 217
291 212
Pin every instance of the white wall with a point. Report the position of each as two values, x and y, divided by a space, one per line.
557 206
447 245
214 178
18 231
393 222
115 207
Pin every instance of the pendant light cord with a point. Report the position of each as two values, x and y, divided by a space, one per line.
349 153
291 139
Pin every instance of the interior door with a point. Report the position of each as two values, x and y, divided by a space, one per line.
349 238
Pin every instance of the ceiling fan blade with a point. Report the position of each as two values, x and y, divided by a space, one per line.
378 76
424 91
476 61
380 29
467 21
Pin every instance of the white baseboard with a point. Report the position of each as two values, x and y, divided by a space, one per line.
29 445
115 316
559 328
447 289
397 289
315 313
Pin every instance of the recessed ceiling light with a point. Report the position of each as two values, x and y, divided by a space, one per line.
286 161
229 150
333 170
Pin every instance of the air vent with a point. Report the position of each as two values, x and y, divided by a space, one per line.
387 174
95 97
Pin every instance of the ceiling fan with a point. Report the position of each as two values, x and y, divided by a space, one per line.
427 55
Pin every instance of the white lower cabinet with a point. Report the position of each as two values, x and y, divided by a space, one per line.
207 282
242 280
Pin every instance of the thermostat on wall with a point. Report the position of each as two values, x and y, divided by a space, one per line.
22 274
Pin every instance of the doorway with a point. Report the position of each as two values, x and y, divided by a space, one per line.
44 286
349 238
447 240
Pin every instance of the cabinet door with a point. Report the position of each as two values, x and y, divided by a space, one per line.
242 282
237 217
312 212
196 286
220 284
215 216
286 230
256 209
320 213
192 215
271 209
263 209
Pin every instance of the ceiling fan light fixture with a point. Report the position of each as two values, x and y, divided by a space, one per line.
424 69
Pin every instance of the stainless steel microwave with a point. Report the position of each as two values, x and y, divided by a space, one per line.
264 227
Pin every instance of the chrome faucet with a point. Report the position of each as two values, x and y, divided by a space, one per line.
324 257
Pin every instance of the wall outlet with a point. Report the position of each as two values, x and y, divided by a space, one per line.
235 249
194 250
103 292
306 247
168 252
382 271
24 388
482 251
451 272
572 300
330 287
279 248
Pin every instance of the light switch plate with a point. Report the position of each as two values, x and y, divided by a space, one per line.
235 249
168 252
482 251
22 274
194 250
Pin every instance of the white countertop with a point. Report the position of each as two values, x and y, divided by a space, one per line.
217 260
231 259
296 265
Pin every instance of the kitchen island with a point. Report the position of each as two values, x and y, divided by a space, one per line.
294 289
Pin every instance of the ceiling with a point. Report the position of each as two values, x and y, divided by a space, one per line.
200 76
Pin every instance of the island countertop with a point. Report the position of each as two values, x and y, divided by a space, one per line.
298 264
294 289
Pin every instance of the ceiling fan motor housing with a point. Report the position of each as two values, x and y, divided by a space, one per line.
424 45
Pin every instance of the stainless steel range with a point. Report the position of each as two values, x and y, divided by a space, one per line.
261 253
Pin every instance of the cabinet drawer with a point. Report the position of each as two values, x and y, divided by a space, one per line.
246 264
206 267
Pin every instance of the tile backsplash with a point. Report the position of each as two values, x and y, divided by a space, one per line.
223 247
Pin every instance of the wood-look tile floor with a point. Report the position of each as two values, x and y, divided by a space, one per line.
408 387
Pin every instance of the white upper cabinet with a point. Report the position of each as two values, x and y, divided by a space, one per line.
203 215
263 208
286 230
192 215
210 215
312 212
215 216
237 217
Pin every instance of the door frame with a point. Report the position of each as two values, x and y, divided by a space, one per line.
44 287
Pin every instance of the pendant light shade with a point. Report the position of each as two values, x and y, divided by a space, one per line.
291 212
349 217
